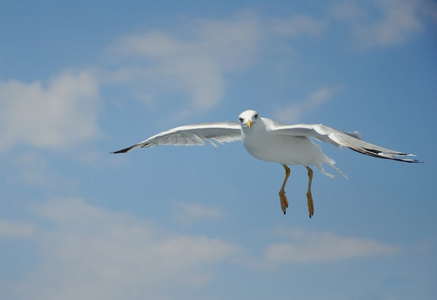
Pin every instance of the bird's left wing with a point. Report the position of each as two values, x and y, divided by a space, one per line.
339 138
189 135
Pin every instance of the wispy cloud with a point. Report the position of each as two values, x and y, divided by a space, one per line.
398 20
16 229
91 253
297 25
304 246
188 213
88 252
197 60
295 110
197 63
55 116
348 10
194 62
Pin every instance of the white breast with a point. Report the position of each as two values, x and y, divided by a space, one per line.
292 150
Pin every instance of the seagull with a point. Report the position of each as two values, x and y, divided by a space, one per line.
269 140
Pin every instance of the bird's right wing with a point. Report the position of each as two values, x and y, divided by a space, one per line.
189 135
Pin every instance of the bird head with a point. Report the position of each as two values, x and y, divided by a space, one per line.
248 118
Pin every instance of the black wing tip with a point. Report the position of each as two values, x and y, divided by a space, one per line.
410 160
393 156
414 161
123 150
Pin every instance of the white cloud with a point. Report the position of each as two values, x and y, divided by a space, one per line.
197 63
15 229
305 246
197 59
34 170
348 10
90 253
56 116
297 25
192 212
399 21
294 111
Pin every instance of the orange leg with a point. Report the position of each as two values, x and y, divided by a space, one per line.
282 197
309 196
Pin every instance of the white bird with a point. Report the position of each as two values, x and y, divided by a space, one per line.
269 140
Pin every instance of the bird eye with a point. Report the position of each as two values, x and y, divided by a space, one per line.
241 120
256 116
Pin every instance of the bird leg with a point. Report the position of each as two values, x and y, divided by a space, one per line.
282 197
309 196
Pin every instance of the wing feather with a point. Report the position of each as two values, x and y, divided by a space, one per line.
339 138
191 135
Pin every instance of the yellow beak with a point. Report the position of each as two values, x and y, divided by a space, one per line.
249 123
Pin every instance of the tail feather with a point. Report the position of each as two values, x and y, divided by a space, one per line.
331 163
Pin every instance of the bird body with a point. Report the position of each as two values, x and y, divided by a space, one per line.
259 141
272 141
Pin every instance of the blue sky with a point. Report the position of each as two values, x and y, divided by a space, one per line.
79 79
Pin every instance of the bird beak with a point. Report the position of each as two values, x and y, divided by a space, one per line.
249 123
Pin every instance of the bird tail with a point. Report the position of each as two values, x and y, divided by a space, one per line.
331 163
